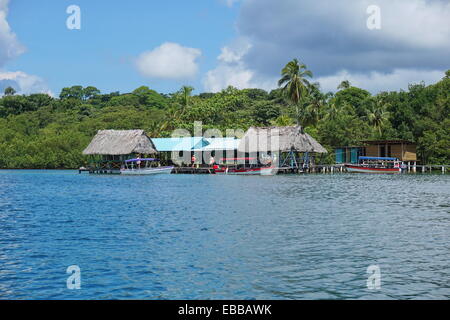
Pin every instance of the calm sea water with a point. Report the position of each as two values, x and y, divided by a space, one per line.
215 237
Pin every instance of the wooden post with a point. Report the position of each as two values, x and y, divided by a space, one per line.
443 169
423 169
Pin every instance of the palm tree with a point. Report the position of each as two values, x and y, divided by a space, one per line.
377 115
294 82
344 85
316 103
174 113
282 121
185 96
333 111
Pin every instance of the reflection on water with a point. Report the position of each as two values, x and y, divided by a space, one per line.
199 237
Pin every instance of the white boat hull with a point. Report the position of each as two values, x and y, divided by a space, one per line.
360 169
147 171
256 171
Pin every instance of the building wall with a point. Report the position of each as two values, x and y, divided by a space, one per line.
396 151
340 155
409 152
350 154
372 151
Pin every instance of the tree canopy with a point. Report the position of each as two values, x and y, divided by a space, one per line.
40 131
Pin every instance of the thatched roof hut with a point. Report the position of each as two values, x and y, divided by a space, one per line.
120 142
282 139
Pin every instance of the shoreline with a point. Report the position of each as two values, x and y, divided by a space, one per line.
59 169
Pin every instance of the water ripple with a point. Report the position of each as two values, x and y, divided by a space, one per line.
216 237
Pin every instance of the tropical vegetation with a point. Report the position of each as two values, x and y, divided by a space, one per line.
40 131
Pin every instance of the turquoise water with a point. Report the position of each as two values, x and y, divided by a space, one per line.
215 237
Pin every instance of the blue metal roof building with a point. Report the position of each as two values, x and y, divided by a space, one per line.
195 144
179 144
220 144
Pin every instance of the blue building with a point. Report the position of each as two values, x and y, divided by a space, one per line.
184 148
348 154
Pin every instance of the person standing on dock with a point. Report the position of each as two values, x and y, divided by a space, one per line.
138 162
212 161
193 160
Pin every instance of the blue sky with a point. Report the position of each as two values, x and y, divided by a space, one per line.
112 34
211 44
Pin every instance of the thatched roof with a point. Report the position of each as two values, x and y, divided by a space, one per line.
283 139
120 142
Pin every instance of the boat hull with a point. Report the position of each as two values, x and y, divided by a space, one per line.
360 169
270 171
147 171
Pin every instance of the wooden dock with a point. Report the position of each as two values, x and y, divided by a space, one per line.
284 170
192 170
330 169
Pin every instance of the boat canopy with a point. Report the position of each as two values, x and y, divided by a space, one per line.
378 158
143 159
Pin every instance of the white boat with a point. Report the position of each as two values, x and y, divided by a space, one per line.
146 171
252 170
375 165
141 167
266 171
365 169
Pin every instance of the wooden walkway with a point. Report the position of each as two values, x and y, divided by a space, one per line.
191 170
335 168
285 170
330 168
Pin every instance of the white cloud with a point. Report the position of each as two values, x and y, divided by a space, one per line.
10 48
23 83
235 52
230 3
224 76
376 82
417 23
232 71
9 45
330 35
169 61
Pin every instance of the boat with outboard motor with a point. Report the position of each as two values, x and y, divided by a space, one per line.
376 165
143 166
245 169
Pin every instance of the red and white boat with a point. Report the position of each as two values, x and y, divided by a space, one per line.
376 165
360 168
264 171
243 169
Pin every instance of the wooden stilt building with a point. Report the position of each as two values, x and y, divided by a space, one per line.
110 148
291 146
